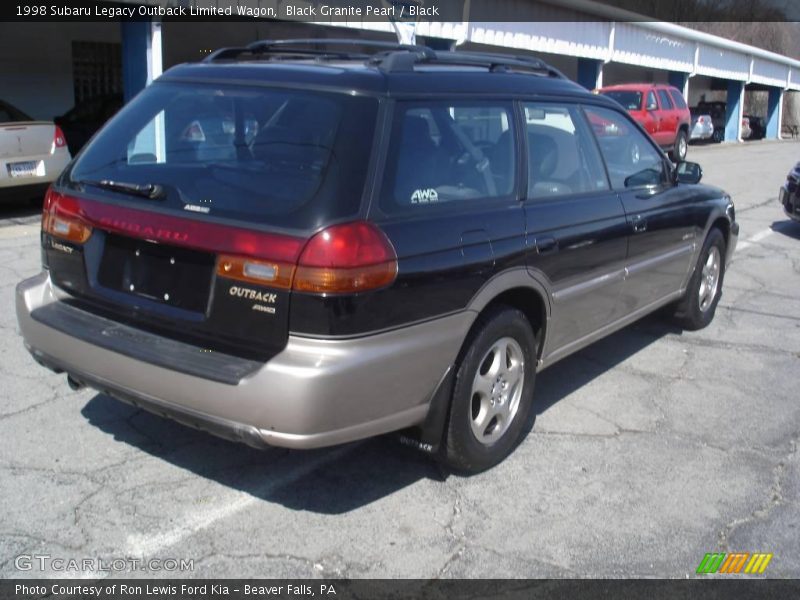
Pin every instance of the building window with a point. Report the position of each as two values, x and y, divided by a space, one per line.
96 69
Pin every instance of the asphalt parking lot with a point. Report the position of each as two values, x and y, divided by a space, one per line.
650 449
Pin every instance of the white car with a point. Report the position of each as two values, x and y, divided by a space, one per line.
702 127
746 131
32 154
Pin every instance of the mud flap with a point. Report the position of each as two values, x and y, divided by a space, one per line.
427 437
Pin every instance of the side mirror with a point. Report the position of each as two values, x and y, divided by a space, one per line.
688 172
651 106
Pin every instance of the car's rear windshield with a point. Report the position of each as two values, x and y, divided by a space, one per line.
285 157
628 99
9 114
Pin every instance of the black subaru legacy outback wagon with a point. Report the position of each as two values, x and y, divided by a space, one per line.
290 244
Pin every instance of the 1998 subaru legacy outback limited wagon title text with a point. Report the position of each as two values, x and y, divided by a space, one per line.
300 247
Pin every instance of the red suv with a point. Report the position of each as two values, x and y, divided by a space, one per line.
660 109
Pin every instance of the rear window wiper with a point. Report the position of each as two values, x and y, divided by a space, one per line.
145 190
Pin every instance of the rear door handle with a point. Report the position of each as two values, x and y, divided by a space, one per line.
546 245
639 225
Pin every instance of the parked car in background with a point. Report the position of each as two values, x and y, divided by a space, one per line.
702 127
746 132
789 195
81 121
32 154
660 109
221 252
758 127
717 112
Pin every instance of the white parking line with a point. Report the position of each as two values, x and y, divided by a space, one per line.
754 239
151 545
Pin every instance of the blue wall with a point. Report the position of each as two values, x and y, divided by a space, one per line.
588 69
773 108
732 122
678 80
135 47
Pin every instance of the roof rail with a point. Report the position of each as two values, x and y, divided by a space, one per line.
405 61
312 47
390 57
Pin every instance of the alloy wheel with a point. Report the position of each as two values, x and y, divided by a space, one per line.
709 279
496 390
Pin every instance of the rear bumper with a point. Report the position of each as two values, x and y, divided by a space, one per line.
701 132
51 164
314 393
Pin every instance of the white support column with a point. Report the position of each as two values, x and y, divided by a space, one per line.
741 114
155 64
155 67
612 35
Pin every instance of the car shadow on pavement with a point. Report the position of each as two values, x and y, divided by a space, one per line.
787 227
329 480
341 479
14 213
580 369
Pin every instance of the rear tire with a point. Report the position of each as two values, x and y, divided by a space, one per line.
680 148
697 307
492 393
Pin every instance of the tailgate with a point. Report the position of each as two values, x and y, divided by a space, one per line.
187 212
186 279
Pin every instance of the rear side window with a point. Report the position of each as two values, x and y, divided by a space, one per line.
631 160
284 157
666 103
562 157
446 152
9 114
677 97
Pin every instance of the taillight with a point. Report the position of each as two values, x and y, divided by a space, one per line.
59 141
61 218
348 258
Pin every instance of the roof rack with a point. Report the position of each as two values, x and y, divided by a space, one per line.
489 61
310 47
389 57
